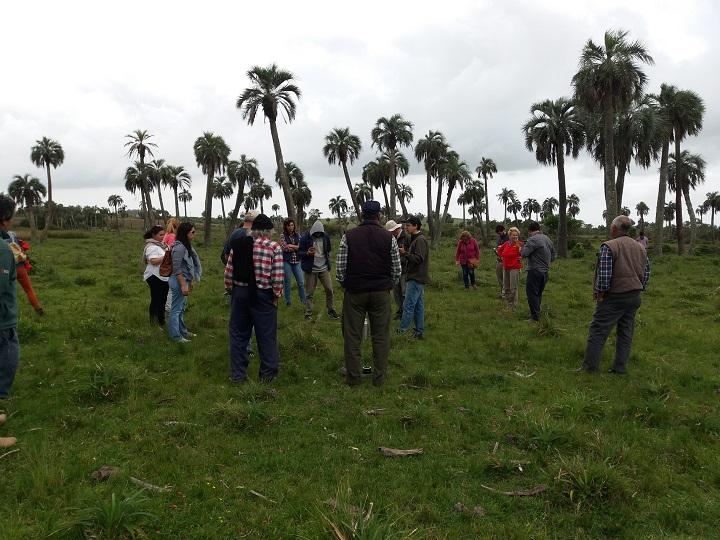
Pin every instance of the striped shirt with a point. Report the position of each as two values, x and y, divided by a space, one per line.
605 270
268 264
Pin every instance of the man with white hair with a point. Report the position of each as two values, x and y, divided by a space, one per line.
622 272
402 239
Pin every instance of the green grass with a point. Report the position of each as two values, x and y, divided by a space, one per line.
632 457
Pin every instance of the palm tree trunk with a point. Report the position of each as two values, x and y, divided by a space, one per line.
438 225
562 220
262 210
693 222
350 190
208 206
712 224
385 195
33 224
660 207
238 204
611 206
451 187
402 205
393 185
222 206
284 181
505 206
49 213
162 206
487 203
678 195
177 206
430 220
619 186
185 208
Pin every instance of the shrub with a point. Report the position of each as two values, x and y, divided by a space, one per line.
104 384
577 251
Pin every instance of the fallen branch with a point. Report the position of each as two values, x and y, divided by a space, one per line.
150 487
520 493
10 452
394 452
177 423
373 412
261 496
522 374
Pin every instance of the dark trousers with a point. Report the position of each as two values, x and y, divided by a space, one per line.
377 307
9 359
248 311
399 294
158 297
615 310
468 276
534 287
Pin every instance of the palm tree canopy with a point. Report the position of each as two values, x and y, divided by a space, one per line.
244 171
389 133
682 111
338 205
454 171
341 146
272 89
402 167
405 192
642 208
554 125
47 152
26 190
222 188
610 73
139 144
486 169
211 153
114 200
430 149
185 196
693 171
178 177
134 177
295 175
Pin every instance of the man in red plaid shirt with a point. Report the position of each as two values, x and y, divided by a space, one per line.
254 273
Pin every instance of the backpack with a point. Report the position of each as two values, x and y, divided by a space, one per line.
166 266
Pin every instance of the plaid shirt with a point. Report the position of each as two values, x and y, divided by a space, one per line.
342 259
605 270
284 241
268 263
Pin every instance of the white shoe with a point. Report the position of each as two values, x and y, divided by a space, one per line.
190 335
182 340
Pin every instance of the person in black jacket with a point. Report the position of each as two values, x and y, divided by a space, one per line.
314 251
417 256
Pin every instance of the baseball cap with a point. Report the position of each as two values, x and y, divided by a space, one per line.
250 215
371 207
392 225
413 220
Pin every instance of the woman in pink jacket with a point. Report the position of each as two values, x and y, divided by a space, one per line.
467 256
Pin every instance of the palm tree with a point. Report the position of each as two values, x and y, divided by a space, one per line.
47 153
177 178
374 176
272 90
429 150
474 197
548 207
185 197
136 180
669 213
515 207
701 210
455 172
530 207
388 134
342 147
241 173
115 201
642 211
139 145
485 170
276 209
402 167
506 196
573 202
337 206
608 80
222 189
691 174
211 155
259 192
553 132
294 174
157 174
364 192
405 195
712 201
27 191
302 197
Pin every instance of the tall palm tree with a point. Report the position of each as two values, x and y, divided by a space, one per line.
685 174
337 206
342 147
136 180
608 80
530 207
485 170
302 197
27 191
548 207
712 200
222 189
405 195
115 201
364 192
295 175
455 172
402 167
701 210
177 178
211 155
47 153
276 209
157 174
260 192
515 207
669 213
474 198
642 210
374 175
139 145
430 150
185 197
505 197
573 205
272 90
389 134
241 173
553 132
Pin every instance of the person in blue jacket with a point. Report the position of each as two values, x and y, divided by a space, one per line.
314 251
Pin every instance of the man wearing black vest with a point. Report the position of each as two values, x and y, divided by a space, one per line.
367 267
622 272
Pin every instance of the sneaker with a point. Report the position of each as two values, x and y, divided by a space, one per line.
182 340
616 372
333 314
400 331
190 335
417 335
7 442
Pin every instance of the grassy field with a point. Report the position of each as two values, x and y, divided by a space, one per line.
492 401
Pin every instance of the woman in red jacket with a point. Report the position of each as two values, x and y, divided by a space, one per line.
509 252
467 256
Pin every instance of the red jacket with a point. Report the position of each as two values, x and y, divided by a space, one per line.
510 255
465 251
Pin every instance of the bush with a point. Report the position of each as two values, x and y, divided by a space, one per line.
577 251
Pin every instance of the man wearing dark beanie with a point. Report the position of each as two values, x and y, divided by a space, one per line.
367 267
254 273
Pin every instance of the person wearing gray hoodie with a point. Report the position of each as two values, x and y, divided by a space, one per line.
314 251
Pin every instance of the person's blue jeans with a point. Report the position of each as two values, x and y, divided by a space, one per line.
294 269
414 307
256 311
176 323
9 359
468 276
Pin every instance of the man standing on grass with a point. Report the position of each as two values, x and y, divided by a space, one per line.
367 267
403 240
314 251
502 237
622 272
244 230
254 273
540 252
417 258
9 344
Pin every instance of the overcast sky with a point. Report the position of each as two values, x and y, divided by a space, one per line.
88 73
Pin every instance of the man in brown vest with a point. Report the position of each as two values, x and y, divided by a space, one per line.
622 272
367 267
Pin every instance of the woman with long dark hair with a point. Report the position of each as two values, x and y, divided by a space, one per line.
186 271
153 255
290 242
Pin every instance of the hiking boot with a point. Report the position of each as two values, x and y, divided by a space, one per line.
417 335
333 314
7 442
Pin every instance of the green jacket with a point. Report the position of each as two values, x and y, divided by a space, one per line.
8 296
417 257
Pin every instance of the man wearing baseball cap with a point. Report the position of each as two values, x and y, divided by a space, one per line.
417 258
403 240
367 267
